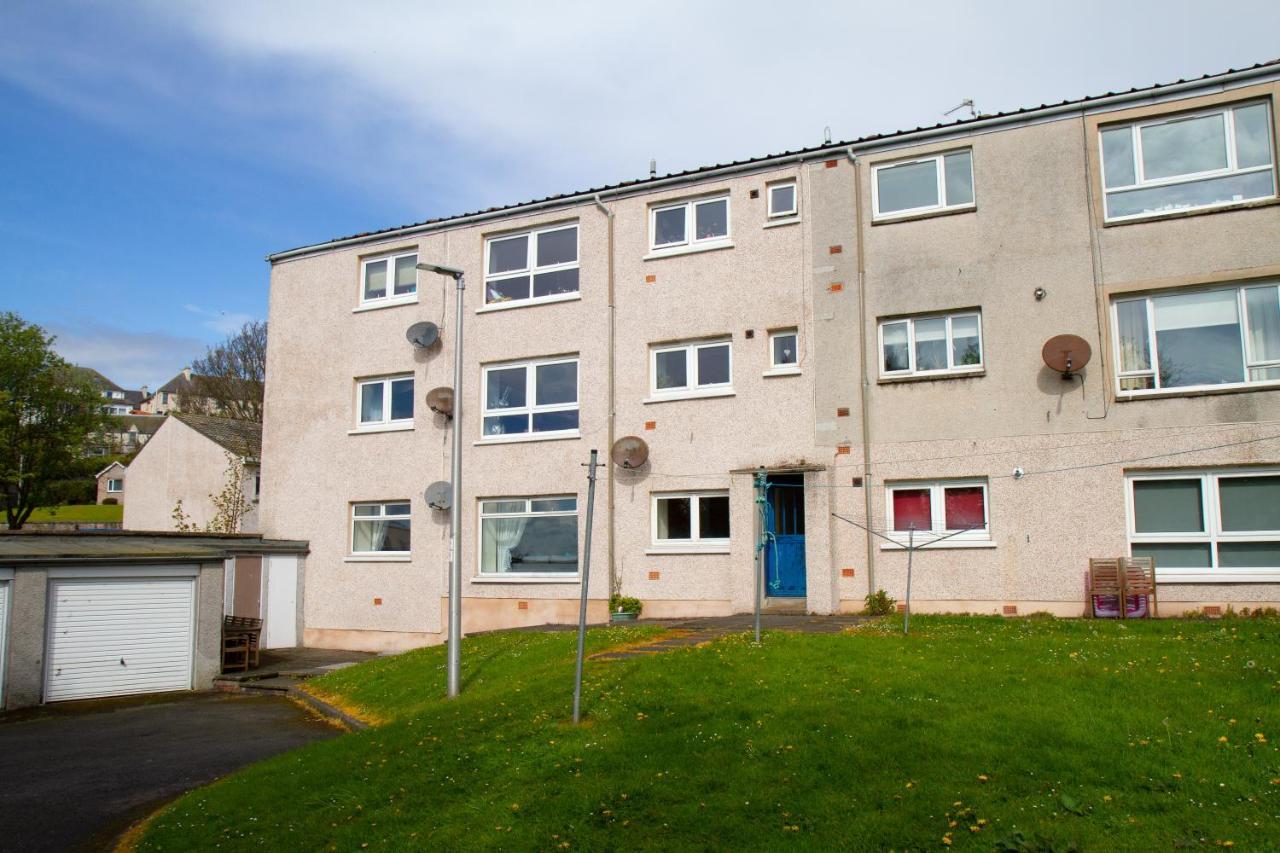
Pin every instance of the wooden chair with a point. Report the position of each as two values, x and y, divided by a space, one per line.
1138 578
241 636
1105 581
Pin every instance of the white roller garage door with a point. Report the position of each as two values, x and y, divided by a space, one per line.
113 636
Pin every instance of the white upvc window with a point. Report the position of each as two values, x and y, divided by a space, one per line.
531 267
385 401
784 200
920 512
927 346
1206 525
784 351
380 529
534 399
699 222
1192 161
691 369
528 537
690 520
115 485
389 279
1198 339
923 185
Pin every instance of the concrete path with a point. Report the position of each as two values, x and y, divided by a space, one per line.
77 775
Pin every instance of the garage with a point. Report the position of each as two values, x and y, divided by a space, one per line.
112 636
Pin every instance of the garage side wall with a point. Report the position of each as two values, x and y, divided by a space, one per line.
24 670
208 656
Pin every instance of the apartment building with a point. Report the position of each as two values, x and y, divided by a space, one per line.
858 328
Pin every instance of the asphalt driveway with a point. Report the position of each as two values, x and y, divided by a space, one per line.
77 775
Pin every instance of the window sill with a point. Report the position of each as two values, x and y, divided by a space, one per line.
1203 391
1170 576
528 303
689 395
377 558
709 246
388 303
523 437
783 220
932 377
380 428
528 578
1195 211
782 371
945 544
659 550
912 216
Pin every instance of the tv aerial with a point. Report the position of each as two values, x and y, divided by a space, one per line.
1066 354
629 452
439 495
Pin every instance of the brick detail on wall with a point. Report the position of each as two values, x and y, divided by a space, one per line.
842 412
835 250
377 602
1011 610
650 424
831 164
835 287
522 605
653 576
842 450
650 279
846 573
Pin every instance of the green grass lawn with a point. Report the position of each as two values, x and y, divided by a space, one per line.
79 513
973 733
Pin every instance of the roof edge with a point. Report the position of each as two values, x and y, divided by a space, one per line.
861 145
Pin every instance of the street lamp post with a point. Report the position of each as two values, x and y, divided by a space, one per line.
455 482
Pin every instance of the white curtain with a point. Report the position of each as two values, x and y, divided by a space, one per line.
371 534
1263 304
503 534
1134 351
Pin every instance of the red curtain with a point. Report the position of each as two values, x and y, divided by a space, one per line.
965 508
911 509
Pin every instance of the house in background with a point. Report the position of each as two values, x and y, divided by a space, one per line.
111 483
170 396
187 460
118 401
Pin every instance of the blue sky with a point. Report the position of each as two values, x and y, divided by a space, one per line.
152 153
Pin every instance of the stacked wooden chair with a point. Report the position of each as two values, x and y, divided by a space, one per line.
241 636
1129 582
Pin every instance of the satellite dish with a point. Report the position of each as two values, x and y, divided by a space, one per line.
440 400
1066 354
439 495
423 335
630 451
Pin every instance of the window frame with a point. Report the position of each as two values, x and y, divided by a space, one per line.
775 215
352 518
940 175
531 395
938 513
115 485
1211 519
691 241
693 389
1135 127
531 268
951 369
391 297
500 577
776 369
1153 352
695 542
386 423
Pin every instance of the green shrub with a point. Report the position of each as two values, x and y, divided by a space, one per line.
879 604
625 604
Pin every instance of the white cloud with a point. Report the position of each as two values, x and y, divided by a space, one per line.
222 322
128 358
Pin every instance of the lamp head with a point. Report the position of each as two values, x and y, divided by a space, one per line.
452 272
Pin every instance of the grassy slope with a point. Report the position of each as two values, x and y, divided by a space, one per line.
1095 734
79 512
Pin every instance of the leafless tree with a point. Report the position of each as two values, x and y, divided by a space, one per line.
228 380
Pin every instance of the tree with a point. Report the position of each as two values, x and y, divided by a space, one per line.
48 413
229 379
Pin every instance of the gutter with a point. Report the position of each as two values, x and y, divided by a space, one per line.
864 386
885 142
609 396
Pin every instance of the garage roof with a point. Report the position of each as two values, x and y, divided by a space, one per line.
24 547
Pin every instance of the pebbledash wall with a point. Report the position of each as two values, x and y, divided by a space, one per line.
834 273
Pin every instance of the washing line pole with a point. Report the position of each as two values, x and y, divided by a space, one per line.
911 548
582 601
760 539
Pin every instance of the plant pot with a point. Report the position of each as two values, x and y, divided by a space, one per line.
623 616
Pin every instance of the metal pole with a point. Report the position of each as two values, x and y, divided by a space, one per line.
582 601
760 498
455 508
911 550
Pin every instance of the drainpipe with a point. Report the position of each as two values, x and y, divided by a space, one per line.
865 386
610 489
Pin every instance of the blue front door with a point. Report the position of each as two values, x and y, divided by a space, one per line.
784 539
